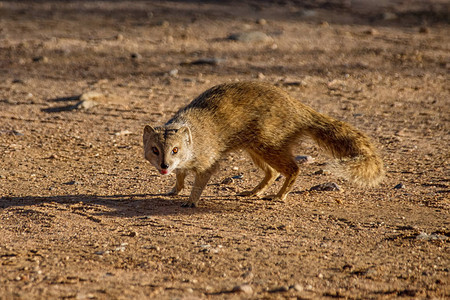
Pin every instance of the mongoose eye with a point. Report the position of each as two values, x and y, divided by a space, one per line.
155 150
175 150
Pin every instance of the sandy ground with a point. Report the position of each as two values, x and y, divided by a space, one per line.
84 216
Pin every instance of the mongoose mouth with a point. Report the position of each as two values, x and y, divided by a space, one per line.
164 171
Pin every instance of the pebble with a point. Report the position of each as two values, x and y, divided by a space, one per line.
304 159
43 59
92 95
322 172
389 16
240 176
297 287
309 13
371 31
424 29
280 289
135 56
73 182
428 237
261 21
227 180
163 23
173 72
248 37
123 132
19 81
328 186
85 104
11 132
295 83
213 61
399 186
243 288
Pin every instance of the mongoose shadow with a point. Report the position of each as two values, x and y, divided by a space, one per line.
130 205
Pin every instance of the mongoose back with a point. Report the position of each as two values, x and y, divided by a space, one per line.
264 121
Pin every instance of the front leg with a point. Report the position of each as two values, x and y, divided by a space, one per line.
201 179
179 185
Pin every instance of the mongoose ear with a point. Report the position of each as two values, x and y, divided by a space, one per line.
185 130
148 132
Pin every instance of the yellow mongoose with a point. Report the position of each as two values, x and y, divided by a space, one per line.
262 120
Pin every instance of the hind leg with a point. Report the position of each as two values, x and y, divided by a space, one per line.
270 175
286 165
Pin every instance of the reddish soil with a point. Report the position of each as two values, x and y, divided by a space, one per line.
84 216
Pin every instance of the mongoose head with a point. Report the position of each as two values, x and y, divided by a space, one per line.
167 147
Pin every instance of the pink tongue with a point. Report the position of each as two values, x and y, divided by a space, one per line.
163 171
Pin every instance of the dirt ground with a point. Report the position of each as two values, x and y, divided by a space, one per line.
84 216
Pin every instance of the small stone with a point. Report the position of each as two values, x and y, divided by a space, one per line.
227 180
388 16
213 61
261 21
322 172
399 186
16 133
92 95
73 182
248 37
119 37
297 287
308 13
135 56
295 83
328 186
85 104
43 59
428 237
123 132
240 176
173 72
304 159
280 289
164 23
424 29
371 31
244 288
19 81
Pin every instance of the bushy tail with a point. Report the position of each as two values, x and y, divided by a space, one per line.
356 158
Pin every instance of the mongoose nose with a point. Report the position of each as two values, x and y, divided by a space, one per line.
164 166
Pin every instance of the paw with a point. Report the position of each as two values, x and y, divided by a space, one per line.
189 204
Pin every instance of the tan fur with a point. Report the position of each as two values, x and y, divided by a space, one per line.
262 120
